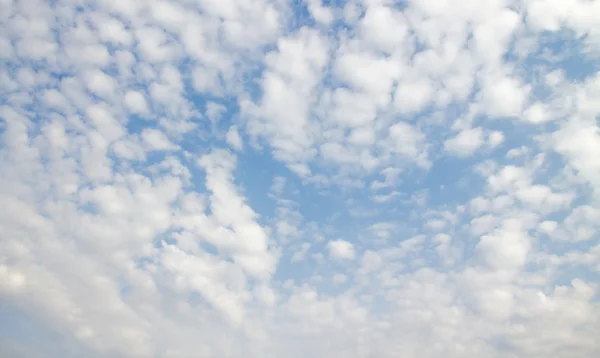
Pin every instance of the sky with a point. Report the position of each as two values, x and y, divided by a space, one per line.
306 178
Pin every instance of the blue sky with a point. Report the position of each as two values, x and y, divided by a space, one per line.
364 178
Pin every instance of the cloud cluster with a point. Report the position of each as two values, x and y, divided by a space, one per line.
231 178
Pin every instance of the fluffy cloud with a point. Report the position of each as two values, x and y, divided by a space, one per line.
465 143
233 138
176 176
341 249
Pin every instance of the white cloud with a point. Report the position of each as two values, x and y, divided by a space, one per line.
376 75
341 249
135 102
383 230
504 96
381 21
413 96
127 226
579 143
157 140
465 143
506 247
537 113
233 138
100 84
383 198
580 225
408 141
371 261
495 139
293 72
104 122
321 14
249 240
362 136
112 30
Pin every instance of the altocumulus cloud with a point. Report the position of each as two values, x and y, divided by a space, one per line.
268 178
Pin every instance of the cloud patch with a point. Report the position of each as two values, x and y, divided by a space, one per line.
281 178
